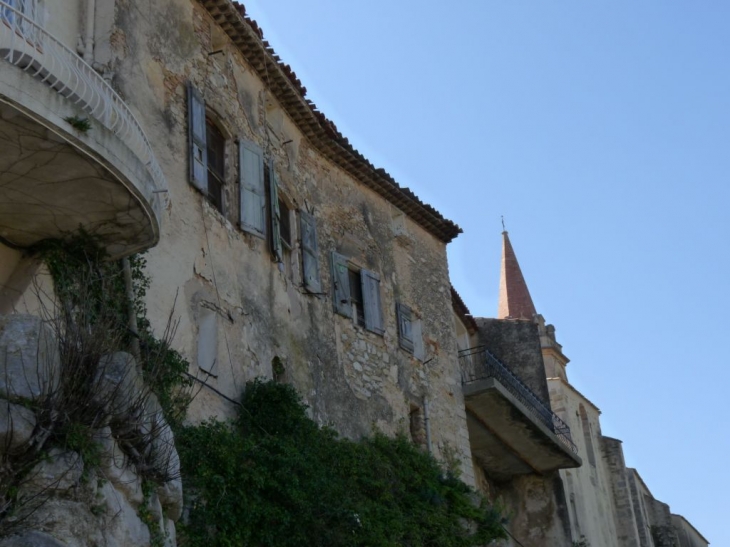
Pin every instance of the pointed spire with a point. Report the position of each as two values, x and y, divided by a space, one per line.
514 297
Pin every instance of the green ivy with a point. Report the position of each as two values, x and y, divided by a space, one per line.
274 478
85 279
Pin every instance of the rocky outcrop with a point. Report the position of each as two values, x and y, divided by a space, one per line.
16 426
29 358
96 494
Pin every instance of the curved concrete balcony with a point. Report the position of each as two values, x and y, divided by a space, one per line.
55 176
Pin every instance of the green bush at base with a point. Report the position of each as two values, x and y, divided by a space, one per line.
274 478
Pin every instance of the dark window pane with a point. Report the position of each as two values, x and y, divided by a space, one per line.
216 164
284 226
356 296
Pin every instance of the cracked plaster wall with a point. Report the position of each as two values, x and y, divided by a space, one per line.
350 377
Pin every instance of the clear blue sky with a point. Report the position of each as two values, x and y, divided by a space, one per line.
601 131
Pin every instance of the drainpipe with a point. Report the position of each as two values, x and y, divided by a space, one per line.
427 424
89 40
131 316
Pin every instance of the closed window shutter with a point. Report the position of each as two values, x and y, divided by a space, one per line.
207 340
405 329
341 283
252 188
275 214
419 349
371 301
198 146
310 254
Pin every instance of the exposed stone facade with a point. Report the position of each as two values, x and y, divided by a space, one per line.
283 253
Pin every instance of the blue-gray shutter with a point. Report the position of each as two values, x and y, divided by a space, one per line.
276 248
208 340
310 253
405 327
371 301
197 140
419 349
341 285
252 188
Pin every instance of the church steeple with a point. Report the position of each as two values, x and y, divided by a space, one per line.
515 301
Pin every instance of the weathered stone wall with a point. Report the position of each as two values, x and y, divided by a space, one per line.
517 344
232 300
626 527
643 519
662 530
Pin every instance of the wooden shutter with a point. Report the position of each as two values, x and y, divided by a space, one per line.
419 349
207 340
310 254
276 249
341 285
197 141
371 301
405 327
252 188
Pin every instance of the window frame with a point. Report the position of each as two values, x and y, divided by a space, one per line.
217 196
372 302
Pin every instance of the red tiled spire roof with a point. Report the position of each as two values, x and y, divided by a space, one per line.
515 301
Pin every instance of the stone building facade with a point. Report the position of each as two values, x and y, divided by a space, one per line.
280 249
282 252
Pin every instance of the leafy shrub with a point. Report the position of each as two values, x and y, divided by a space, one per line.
274 478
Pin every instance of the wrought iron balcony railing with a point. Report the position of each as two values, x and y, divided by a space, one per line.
479 364
26 44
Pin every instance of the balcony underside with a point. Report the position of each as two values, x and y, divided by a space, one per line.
506 439
55 179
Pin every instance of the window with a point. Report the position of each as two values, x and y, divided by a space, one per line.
357 294
285 224
216 145
410 336
28 8
207 151
310 252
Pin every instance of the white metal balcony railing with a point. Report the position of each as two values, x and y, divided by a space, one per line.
27 45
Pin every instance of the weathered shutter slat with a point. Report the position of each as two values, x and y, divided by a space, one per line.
419 349
371 301
341 285
207 340
276 248
197 140
310 253
405 327
252 188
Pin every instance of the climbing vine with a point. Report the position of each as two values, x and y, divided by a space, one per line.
91 290
273 477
